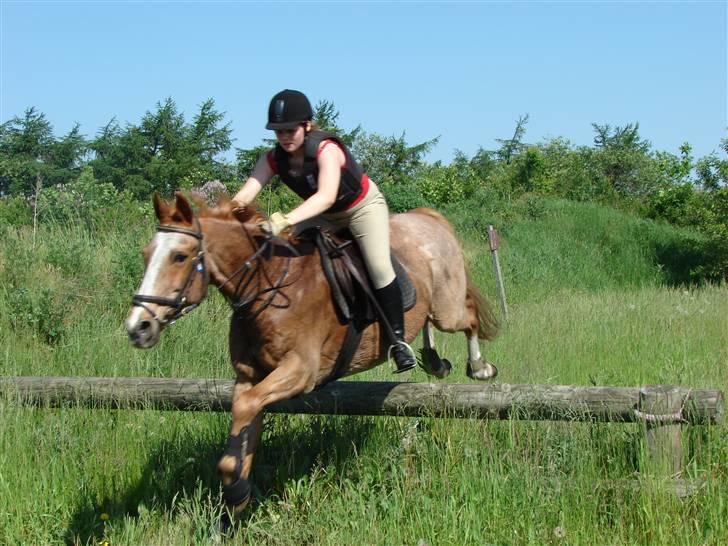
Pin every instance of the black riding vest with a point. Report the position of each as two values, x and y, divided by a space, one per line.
305 183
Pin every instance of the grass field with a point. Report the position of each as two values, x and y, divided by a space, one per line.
591 302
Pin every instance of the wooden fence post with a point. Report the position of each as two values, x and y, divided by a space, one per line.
661 410
493 240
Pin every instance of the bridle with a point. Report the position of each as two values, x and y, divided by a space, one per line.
247 272
250 270
179 302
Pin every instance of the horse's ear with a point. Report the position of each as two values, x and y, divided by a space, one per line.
161 209
184 209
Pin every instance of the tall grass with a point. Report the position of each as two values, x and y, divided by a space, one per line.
590 303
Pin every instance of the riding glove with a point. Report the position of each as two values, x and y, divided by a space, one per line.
277 223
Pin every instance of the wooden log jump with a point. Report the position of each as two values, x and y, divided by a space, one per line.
498 401
662 409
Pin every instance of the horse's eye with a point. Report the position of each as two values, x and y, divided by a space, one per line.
180 257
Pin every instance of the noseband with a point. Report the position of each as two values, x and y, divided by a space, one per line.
178 303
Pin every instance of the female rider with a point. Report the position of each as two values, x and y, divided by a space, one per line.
320 169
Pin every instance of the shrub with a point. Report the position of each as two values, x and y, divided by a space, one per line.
39 312
715 226
676 204
84 200
442 185
402 197
15 211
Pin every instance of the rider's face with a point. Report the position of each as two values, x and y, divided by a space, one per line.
291 139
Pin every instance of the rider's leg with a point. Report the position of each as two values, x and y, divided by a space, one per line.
369 223
390 300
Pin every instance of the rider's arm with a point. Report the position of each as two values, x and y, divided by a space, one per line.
261 175
330 160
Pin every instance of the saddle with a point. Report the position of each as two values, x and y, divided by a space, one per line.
351 288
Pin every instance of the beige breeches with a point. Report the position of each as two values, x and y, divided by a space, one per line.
368 221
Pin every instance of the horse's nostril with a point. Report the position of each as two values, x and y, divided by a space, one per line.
144 326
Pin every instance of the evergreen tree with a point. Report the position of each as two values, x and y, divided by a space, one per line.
30 154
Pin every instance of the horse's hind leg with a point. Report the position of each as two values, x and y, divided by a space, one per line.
478 367
482 324
469 321
431 361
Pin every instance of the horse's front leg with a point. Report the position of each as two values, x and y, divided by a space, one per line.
290 378
237 460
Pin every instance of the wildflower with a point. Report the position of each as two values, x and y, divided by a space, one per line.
559 532
104 516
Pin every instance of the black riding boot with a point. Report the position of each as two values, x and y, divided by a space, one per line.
390 300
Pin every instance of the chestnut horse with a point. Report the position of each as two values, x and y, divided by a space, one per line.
285 334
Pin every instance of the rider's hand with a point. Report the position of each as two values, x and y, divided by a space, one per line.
237 206
277 223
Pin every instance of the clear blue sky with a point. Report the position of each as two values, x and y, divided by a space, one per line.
463 71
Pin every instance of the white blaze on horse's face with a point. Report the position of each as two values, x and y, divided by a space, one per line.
142 323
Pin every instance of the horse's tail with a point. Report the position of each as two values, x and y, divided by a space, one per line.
488 324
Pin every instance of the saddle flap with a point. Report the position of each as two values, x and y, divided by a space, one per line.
332 249
339 254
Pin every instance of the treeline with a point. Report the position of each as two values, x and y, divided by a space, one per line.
71 177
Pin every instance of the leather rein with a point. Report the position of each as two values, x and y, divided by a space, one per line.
248 272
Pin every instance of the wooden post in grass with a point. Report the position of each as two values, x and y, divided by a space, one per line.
661 410
493 240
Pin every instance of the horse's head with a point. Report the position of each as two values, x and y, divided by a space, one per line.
175 278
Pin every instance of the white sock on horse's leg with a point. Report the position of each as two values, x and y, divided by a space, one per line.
473 349
478 368
428 335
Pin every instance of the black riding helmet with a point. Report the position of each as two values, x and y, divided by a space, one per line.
288 109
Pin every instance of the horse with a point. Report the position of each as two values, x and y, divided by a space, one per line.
285 333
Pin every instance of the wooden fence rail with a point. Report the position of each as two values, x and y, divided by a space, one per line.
662 409
655 404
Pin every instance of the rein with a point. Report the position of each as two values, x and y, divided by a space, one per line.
178 303
251 272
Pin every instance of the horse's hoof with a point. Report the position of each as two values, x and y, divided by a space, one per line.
481 370
222 528
433 364
447 368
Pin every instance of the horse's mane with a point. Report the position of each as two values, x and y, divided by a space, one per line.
224 210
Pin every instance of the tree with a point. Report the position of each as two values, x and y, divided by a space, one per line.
390 160
513 145
29 152
163 153
208 138
622 154
325 116
712 171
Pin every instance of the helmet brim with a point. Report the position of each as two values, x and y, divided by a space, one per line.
283 125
